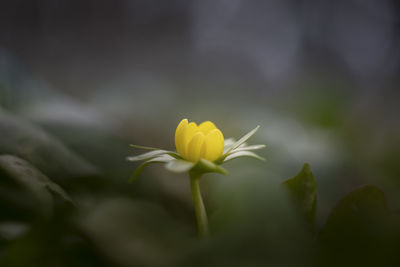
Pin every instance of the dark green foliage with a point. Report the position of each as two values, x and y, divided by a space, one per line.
303 191
57 209
48 154
38 186
360 231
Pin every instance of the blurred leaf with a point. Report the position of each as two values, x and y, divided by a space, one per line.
50 156
360 230
303 190
355 208
33 181
132 233
52 243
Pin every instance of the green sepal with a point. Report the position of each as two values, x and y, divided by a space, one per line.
143 147
205 166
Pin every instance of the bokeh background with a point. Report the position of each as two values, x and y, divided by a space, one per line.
81 80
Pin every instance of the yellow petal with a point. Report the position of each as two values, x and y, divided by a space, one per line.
206 127
195 146
179 136
213 145
188 134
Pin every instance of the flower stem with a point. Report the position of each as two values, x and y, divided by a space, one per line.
201 214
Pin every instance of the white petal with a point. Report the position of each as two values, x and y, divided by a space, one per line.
243 139
243 154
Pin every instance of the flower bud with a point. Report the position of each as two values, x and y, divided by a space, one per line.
194 141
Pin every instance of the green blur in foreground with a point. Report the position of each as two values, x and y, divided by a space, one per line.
65 201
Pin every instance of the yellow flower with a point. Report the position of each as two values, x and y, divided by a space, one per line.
200 149
194 141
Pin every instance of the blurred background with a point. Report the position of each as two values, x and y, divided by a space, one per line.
81 80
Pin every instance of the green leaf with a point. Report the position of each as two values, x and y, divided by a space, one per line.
179 165
46 153
39 186
161 159
360 231
243 139
358 208
241 153
303 190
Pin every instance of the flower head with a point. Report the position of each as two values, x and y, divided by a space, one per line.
194 141
200 148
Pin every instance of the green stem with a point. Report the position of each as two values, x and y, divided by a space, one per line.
201 214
